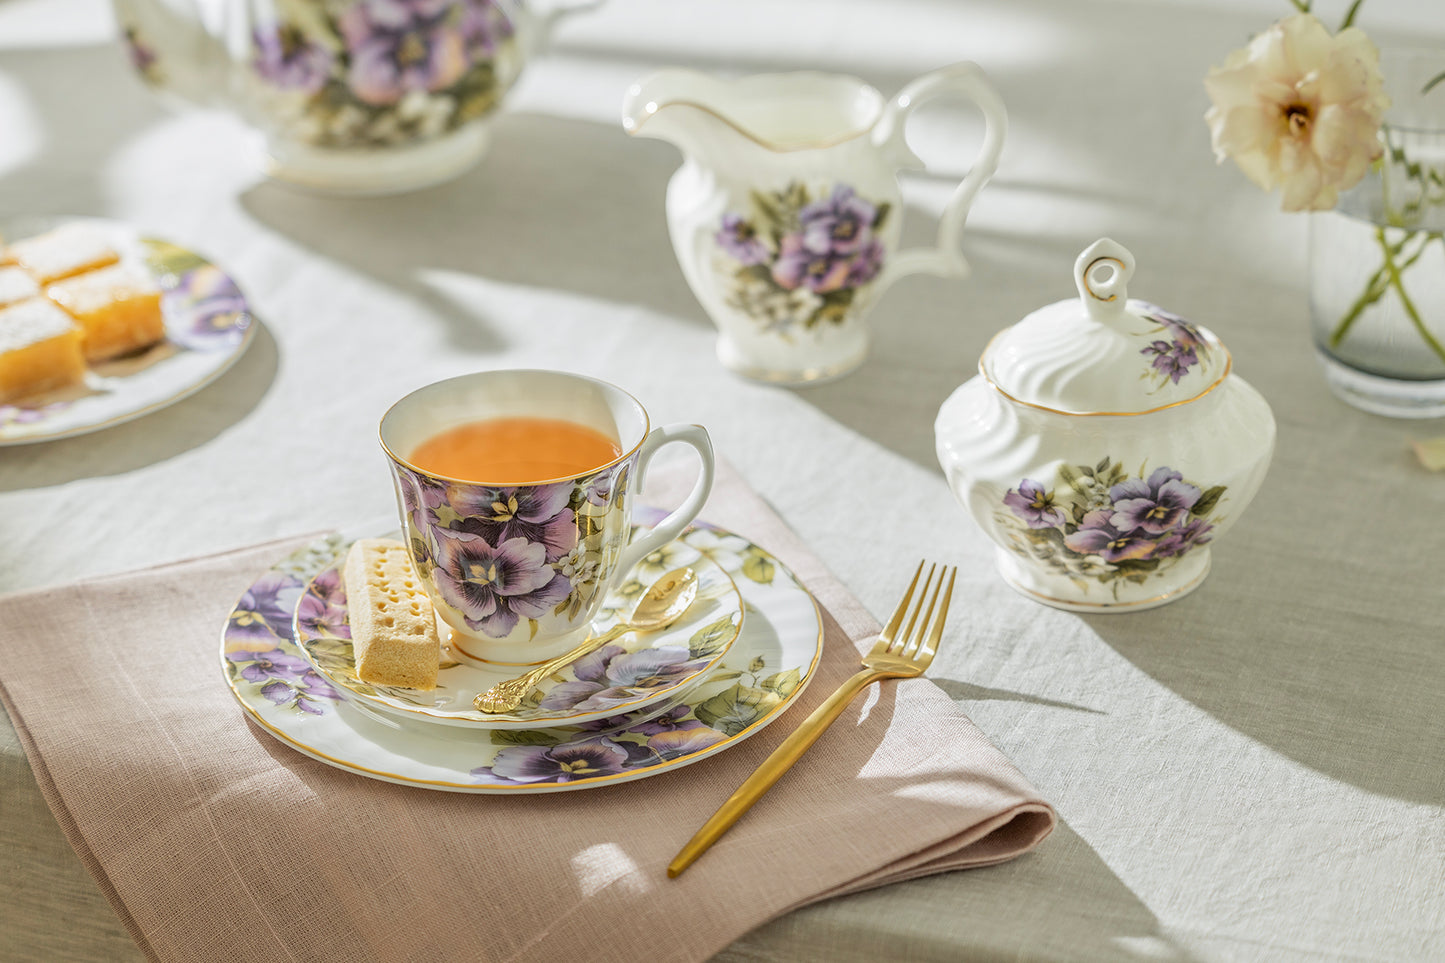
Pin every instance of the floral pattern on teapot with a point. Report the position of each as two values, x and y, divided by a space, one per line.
374 73
1109 526
799 258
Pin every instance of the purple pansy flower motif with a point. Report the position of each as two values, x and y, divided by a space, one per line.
264 612
839 224
866 263
397 46
1171 360
799 266
270 666
421 496
1182 539
142 54
534 513
599 489
484 27
673 720
1156 505
740 239
1034 505
682 742
564 763
317 617
1181 330
1098 537
611 677
207 309
493 587
285 57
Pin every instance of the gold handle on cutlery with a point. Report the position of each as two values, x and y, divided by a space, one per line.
889 659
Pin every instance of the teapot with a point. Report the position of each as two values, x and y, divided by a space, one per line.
785 215
351 96
1104 446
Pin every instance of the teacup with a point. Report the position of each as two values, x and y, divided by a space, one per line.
517 570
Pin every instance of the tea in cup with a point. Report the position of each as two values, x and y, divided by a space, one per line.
515 492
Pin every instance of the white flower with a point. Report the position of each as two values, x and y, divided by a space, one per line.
1300 109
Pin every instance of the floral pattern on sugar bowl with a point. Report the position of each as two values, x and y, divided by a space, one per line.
1097 525
1022 442
799 257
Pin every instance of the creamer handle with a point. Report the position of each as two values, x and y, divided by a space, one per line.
968 79
540 24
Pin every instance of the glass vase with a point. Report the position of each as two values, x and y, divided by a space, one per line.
1377 261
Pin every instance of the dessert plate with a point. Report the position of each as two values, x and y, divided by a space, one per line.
208 328
634 671
771 662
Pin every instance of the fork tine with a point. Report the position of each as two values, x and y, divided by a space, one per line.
929 647
896 619
901 644
911 642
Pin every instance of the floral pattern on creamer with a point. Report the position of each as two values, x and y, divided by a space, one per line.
373 73
503 555
1179 347
799 258
1106 526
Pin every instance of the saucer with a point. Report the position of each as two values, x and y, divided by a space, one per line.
769 665
629 673
208 328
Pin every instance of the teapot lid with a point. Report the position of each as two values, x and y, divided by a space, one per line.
1104 353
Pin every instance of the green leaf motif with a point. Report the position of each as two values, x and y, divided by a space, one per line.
759 568
1208 501
524 737
711 639
758 664
783 683
164 257
737 708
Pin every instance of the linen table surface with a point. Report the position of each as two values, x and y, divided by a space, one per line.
1253 772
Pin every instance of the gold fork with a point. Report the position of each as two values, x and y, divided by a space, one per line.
893 656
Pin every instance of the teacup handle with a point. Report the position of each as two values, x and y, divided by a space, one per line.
670 527
945 259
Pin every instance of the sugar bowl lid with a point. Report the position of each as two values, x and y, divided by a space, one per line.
1104 353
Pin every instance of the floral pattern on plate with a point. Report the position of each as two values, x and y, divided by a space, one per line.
373 73
635 671
1108 526
769 665
797 259
208 328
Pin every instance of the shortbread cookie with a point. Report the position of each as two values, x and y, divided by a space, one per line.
16 286
118 307
63 252
393 628
39 350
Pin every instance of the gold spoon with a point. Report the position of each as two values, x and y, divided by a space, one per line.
663 605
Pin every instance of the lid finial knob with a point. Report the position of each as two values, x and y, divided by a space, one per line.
1102 274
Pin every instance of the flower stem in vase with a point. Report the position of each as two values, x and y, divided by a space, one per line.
1380 282
1398 284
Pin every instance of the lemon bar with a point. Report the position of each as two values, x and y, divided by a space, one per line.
15 286
118 307
64 252
393 626
39 350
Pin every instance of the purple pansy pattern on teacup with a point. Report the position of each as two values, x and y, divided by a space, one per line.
1100 525
1178 348
504 556
798 258
373 73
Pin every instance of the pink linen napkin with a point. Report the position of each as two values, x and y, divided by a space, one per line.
213 841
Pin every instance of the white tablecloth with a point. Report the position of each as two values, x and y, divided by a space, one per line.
1254 772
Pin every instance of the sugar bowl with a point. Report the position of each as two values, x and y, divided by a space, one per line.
1105 445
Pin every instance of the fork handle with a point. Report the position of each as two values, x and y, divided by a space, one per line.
772 769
